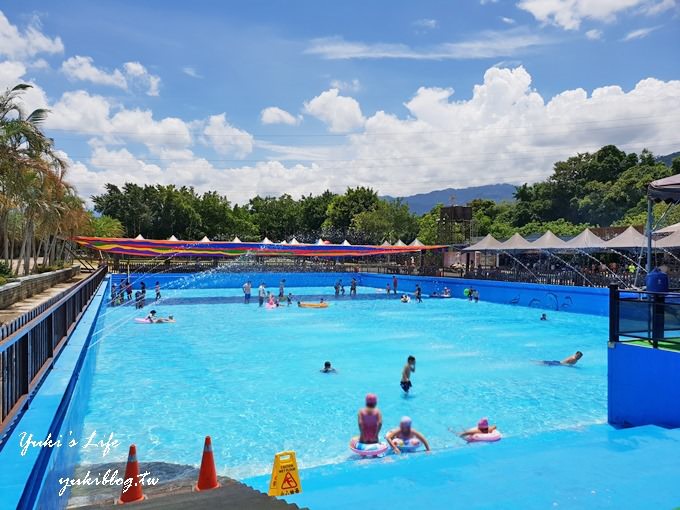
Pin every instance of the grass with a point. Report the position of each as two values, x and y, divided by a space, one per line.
671 344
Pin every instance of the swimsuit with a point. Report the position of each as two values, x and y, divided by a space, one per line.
552 363
369 427
406 385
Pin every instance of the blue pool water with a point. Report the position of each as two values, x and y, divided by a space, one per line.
249 377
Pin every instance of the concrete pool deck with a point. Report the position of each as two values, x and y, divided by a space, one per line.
597 467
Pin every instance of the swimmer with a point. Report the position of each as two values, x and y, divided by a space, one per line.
405 299
370 421
388 289
544 317
419 294
570 361
482 427
152 316
289 299
405 432
328 369
447 292
406 374
163 319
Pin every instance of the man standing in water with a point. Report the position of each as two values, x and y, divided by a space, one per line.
419 294
353 287
406 373
247 288
394 283
282 289
261 293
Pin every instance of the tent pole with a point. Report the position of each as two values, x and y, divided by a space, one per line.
649 235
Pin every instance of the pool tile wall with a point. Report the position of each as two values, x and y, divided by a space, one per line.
589 300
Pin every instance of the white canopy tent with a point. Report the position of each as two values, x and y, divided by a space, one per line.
586 240
172 238
400 243
548 241
204 240
671 241
294 241
629 238
516 243
416 242
139 237
236 240
489 243
346 243
385 243
266 240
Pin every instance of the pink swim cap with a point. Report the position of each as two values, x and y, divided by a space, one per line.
371 399
483 423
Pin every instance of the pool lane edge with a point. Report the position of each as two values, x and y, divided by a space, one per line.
22 477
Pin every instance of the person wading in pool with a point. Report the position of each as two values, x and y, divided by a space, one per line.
419 294
328 369
261 294
406 374
405 433
570 361
247 289
482 427
370 421
395 283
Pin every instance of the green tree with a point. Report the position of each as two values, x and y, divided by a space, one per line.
343 208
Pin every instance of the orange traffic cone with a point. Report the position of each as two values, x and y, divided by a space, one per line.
134 491
207 476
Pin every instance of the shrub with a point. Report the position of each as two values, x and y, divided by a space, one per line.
5 270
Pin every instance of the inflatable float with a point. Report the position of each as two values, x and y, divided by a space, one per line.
489 437
441 296
410 445
143 321
312 305
367 450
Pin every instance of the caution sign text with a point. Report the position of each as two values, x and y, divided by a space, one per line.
285 477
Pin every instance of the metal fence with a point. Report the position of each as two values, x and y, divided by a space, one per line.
636 315
30 344
572 278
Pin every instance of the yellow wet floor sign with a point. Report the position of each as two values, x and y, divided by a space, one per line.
285 478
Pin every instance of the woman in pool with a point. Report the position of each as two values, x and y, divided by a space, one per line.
405 434
482 427
370 421
405 299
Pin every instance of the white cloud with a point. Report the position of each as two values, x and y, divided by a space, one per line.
569 14
508 21
190 71
639 33
426 24
340 113
353 85
594 34
276 115
657 8
488 44
225 138
93 115
83 69
18 45
133 73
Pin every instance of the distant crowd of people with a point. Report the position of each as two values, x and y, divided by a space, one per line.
122 293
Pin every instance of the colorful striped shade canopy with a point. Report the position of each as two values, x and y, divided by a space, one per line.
161 248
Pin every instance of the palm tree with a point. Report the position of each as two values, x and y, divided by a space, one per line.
31 179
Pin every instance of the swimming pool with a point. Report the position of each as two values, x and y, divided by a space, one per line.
249 377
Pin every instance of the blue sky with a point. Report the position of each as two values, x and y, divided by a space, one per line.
401 96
